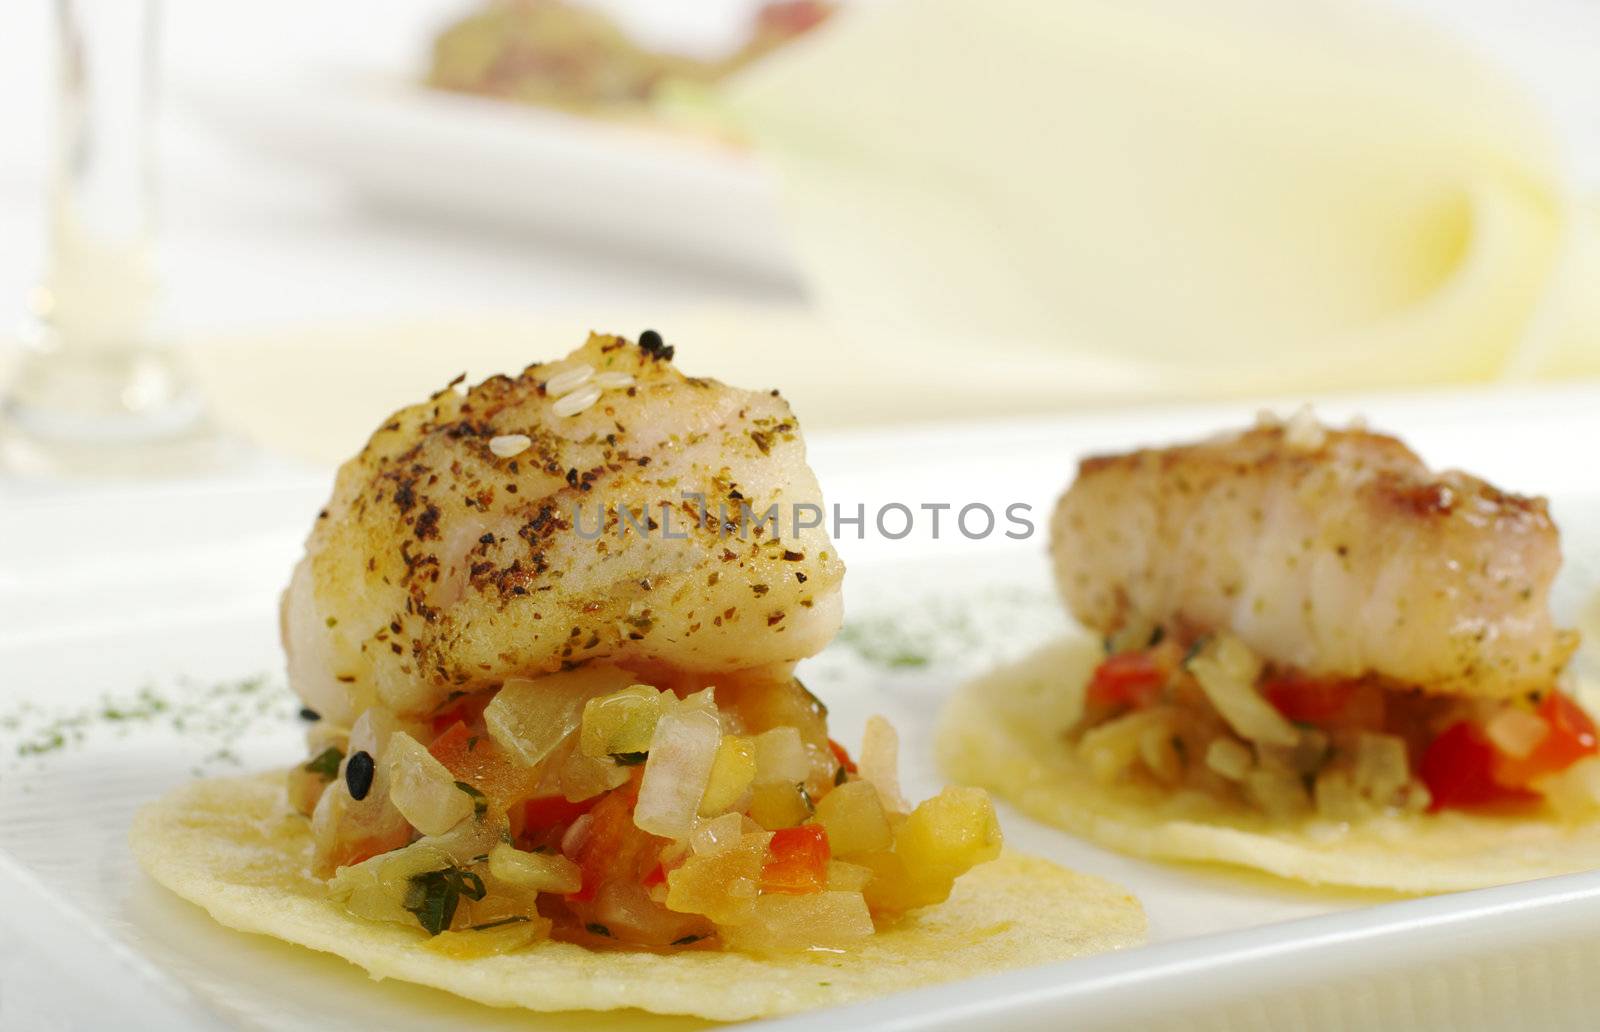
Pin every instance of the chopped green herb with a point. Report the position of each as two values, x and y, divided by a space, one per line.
885 644
811 807
1195 648
480 803
326 763
595 928
209 715
433 897
501 923
49 742
630 759
841 775
472 743
689 940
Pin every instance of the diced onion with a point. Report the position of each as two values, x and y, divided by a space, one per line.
1337 797
1574 793
305 789
572 839
342 825
784 922
423 789
376 889
1280 795
780 757
1515 731
718 833
542 872
1109 749
845 877
1229 757
681 753
584 777
1159 754
722 885
1381 766
530 717
1227 672
465 842
371 732
1415 797
879 763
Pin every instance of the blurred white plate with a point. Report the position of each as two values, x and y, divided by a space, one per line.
666 192
100 594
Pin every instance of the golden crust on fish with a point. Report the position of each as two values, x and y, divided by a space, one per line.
463 544
233 847
1334 552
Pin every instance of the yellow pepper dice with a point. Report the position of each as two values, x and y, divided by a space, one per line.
721 885
779 805
622 722
855 819
951 833
732 771
942 839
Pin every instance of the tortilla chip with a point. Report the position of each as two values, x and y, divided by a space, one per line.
1005 732
232 846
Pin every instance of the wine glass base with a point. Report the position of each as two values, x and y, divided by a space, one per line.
125 413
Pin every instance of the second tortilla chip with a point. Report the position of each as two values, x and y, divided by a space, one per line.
1005 732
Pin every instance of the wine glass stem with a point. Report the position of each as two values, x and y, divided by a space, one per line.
100 288
96 376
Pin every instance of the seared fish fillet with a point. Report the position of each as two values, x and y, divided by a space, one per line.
448 560
1335 552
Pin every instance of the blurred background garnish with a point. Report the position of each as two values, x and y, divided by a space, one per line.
560 54
1107 202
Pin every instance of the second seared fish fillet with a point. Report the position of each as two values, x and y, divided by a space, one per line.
449 560
1335 552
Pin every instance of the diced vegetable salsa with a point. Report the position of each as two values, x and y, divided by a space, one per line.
1215 718
595 809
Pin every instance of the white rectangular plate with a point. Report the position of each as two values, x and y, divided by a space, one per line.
102 593
634 186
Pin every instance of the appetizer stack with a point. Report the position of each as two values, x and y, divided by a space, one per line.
547 628
1316 656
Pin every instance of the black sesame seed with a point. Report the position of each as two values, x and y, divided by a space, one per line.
358 775
651 344
307 713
